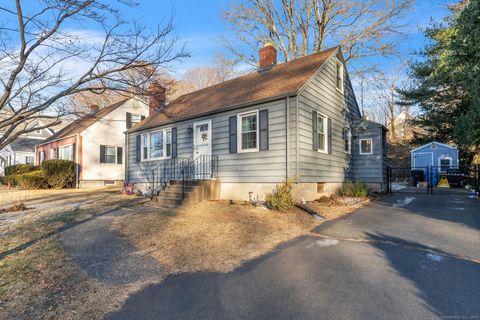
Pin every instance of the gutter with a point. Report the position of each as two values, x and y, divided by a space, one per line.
47 142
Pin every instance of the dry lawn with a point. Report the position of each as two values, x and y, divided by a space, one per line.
37 279
211 236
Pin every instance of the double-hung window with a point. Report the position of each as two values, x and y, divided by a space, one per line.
157 145
366 146
322 132
248 131
339 76
65 152
110 154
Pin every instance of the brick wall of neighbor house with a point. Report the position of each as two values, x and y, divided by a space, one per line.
53 145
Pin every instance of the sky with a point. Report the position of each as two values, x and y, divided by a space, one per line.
200 26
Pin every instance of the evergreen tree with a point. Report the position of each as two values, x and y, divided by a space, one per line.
445 83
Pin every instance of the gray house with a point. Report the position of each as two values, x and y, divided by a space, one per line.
296 121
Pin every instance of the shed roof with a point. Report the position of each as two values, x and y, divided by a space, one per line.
279 81
439 143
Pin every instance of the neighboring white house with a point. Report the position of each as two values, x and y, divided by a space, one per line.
22 149
96 142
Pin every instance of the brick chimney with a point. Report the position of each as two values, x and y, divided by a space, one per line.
268 56
157 98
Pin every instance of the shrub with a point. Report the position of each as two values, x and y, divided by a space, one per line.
59 173
354 189
281 198
31 180
9 179
20 168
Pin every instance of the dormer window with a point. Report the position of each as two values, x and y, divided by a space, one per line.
339 76
38 131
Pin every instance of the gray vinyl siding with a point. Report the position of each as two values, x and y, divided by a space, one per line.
320 94
368 168
267 166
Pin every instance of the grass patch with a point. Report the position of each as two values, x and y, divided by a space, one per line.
354 189
211 236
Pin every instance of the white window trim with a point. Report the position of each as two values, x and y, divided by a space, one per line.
342 75
445 158
360 146
116 154
239 131
325 133
148 145
65 146
349 137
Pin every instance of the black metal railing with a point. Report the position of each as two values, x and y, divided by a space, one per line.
166 171
187 171
201 168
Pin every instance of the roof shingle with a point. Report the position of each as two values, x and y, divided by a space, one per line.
281 80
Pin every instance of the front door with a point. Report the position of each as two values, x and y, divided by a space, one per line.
202 148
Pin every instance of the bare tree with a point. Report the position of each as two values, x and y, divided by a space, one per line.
301 27
51 50
204 76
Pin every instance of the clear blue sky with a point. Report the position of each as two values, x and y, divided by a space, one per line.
199 24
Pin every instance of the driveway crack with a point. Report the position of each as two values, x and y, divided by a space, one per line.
399 244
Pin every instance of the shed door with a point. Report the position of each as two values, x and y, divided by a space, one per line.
422 159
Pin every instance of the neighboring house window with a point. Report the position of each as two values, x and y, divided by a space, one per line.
38 131
322 132
52 153
157 145
339 76
347 136
110 154
133 119
366 146
31 160
445 164
65 152
248 131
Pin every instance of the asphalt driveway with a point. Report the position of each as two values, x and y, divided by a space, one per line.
407 257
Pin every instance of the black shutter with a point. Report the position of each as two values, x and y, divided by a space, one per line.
315 130
142 118
119 155
233 134
329 135
263 129
57 153
174 142
74 150
139 148
102 154
129 120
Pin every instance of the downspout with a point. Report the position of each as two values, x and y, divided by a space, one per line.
297 169
77 147
287 118
125 159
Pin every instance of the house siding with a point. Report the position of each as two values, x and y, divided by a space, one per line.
320 94
265 166
368 168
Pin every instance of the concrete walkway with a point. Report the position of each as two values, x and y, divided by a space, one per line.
103 254
397 259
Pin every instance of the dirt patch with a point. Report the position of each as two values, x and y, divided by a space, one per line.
15 208
334 207
211 236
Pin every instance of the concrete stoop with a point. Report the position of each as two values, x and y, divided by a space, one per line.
196 191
